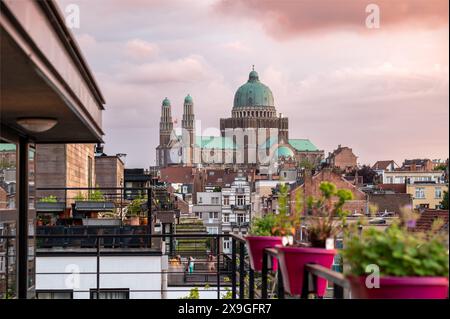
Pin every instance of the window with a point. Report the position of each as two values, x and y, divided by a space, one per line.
213 215
111 293
212 230
420 192
241 218
54 294
198 215
215 200
240 200
226 245
438 192
226 218
226 200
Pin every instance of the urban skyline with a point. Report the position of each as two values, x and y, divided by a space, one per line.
371 100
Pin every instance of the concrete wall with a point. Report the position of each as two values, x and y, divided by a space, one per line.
51 168
73 267
109 171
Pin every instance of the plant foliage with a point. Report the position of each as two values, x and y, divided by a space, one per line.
283 223
326 215
397 252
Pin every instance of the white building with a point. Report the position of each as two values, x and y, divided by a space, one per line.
209 209
236 209
411 177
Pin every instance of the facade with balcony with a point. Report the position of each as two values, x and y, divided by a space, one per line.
209 210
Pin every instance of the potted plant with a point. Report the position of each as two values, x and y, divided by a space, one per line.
134 210
51 204
409 265
39 221
268 231
324 219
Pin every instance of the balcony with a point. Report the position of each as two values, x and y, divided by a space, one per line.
228 275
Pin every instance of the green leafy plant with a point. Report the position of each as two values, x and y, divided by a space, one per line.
397 252
326 215
282 224
194 293
49 199
96 196
79 197
444 202
135 207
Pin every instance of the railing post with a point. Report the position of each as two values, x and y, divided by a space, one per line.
338 292
280 284
7 263
251 283
149 215
264 276
241 270
98 267
233 268
22 225
218 265
305 288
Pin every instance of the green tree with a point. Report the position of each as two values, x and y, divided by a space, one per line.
444 203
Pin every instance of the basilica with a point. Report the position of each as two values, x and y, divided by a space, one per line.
254 136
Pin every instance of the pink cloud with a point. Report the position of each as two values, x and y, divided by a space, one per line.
187 69
140 50
283 19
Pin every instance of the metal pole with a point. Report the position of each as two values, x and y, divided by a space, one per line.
251 284
264 276
305 288
7 263
241 270
218 265
233 268
22 191
280 284
149 215
338 291
98 267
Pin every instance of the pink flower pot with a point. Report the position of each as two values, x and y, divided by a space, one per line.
400 288
256 245
292 263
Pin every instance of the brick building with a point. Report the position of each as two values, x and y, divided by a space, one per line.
311 184
109 171
422 165
342 158
64 165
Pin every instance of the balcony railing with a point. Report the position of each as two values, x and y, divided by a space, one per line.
246 284
229 275
212 268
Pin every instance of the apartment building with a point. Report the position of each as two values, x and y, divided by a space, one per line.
209 209
427 194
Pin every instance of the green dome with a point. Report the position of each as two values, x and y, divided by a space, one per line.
166 102
188 99
253 93
284 151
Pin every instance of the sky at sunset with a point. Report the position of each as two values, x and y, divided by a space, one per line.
382 92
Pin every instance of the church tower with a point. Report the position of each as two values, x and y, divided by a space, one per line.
165 131
188 127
